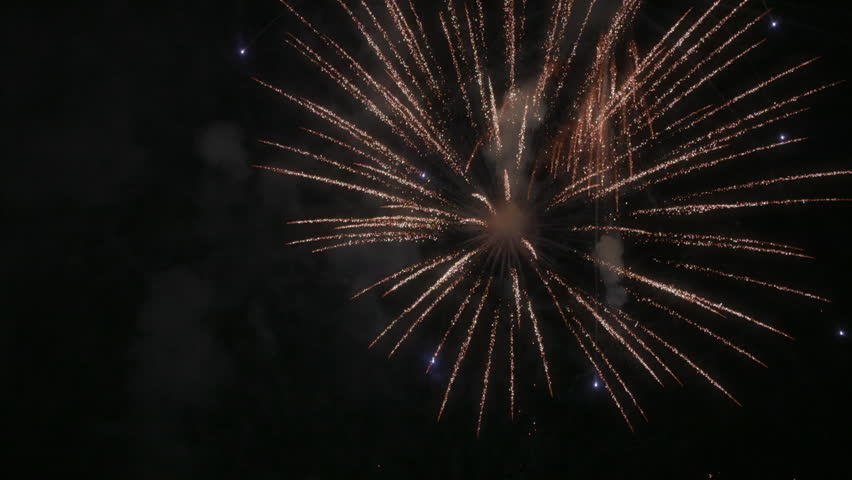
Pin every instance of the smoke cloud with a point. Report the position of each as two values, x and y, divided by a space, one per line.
610 249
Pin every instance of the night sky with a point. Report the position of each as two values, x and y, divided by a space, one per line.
156 326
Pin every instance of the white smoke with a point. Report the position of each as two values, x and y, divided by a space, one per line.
610 249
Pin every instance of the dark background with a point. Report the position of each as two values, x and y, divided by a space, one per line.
154 325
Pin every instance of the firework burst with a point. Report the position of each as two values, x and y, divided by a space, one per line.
508 159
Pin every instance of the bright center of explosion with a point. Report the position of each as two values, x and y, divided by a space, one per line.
508 223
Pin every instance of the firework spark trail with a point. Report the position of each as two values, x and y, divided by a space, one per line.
566 64
700 327
522 132
455 269
377 239
426 44
658 64
399 181
581 300
472 37
452 324
344 83
391 277
421 208
424 315
482 198
694 48
402 225
594 345
392 226
709 76
325 160
457 67
358 236
339 122
540 343
559 24
473 154
703 62
331 181
512 327
603 379
526 244
381 163
390 68
739 121
702 240
414 48
631 83
420 271
476 59
717 161
367 220
712 207
682 294
487 373
615 136
495 121
507 186
751 116
659 167
428 133
620 317
702 151
712 139
509 31
747 279
763 183
747 93
516 294
574 193
464 347
348 85
478 48
691 364
569 191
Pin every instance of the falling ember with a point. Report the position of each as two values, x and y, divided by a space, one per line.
580 138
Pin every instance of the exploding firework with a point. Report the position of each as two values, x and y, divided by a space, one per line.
506 160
